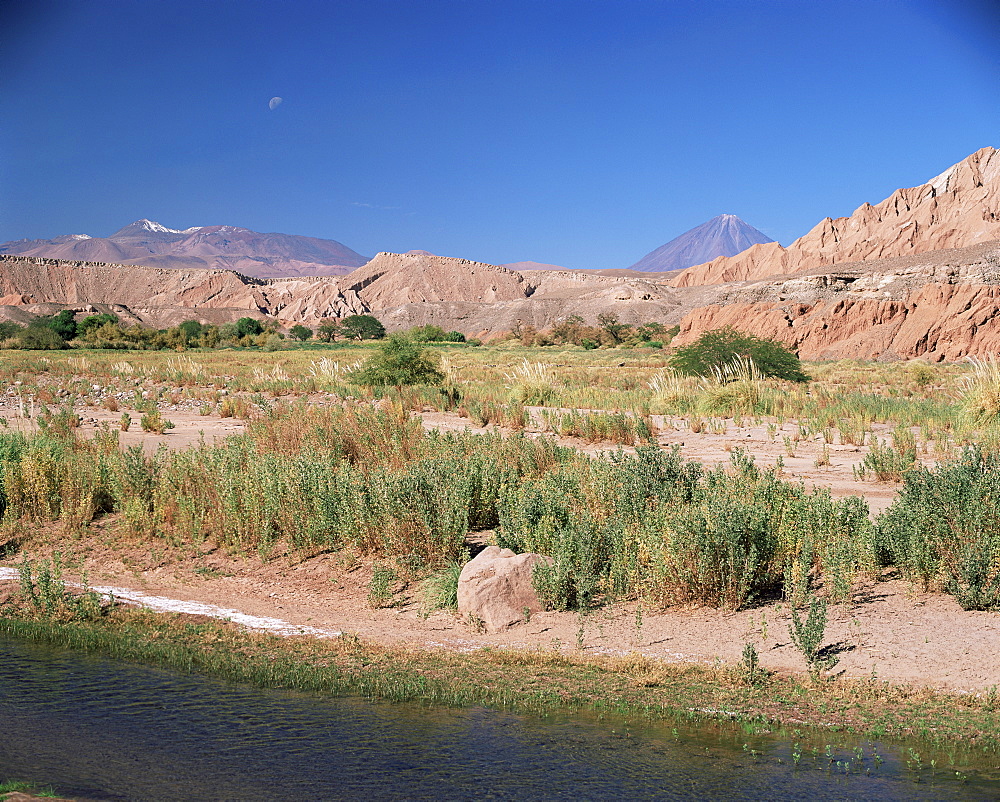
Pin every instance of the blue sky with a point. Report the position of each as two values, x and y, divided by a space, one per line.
581 133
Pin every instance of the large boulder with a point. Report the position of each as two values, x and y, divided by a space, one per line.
496 588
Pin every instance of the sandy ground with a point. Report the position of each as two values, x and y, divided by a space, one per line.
888 630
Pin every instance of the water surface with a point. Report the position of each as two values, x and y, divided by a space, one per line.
99 729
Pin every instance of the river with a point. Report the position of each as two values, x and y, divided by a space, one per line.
98 729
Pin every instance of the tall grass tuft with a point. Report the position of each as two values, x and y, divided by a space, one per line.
736 387
532 383
981 390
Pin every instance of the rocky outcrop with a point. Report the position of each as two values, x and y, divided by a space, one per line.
957 209
943 306
495 588
939 305
403 289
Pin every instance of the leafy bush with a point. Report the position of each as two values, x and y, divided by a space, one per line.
40 337
153 422
807 635
944 529
889 464
714 349
96 321
43 593
435 334
398 362
300 332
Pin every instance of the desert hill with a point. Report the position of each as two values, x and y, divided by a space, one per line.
151 244
956 209
725 235
942 304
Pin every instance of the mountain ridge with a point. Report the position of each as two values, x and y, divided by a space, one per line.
151 244
956 209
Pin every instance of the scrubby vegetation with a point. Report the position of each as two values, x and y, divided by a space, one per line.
646 524
331 459
106 331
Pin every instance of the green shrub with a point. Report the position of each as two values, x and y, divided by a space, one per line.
720 347
944 529
889 464
807 635
153 422
44 594
398 362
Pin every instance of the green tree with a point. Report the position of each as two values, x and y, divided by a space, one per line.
720 346
362 327
9 329
300 332
610 325
210 337
651 331
40 337
328 331
191 329
95 322
399 361
64 324
248 326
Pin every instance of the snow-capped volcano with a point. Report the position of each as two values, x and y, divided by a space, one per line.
725 235
144 226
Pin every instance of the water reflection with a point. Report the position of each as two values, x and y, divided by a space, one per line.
99 729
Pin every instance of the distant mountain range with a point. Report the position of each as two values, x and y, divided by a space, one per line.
152 244
725 235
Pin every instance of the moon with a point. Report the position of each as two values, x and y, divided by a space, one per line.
273 103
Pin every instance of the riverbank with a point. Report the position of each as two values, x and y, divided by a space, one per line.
887 630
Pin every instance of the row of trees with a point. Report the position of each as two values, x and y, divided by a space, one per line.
713 350
106 330
608 333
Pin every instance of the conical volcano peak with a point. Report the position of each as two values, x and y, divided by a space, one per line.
723 235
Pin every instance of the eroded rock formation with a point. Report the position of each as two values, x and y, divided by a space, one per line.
957 209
